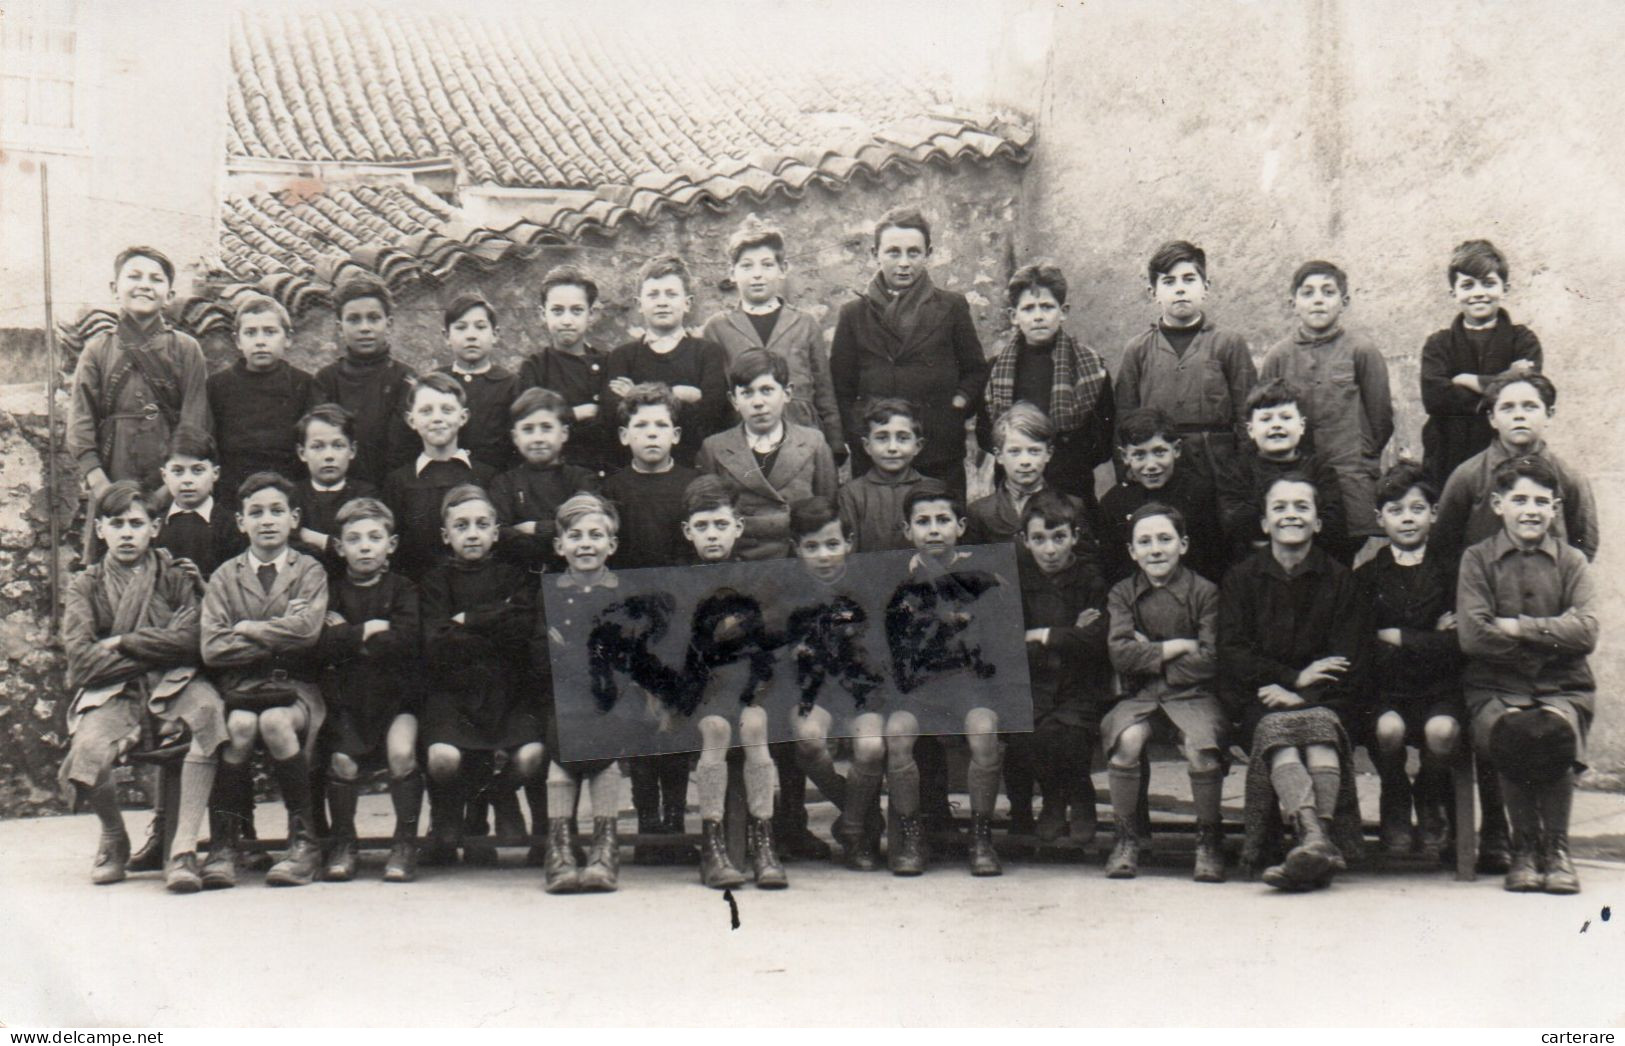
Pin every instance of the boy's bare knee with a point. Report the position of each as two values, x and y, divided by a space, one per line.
1202 760
868 751
529 761
1125 753
444 761
1442 733
981 721
1390 731
1321 757
343 767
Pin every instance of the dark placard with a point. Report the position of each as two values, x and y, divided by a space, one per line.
638 665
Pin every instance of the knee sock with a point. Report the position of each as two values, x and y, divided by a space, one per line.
1556 801
712 782
605 789
1124 784
102 798
406 795
759 789
341 800
645 790
1294 789
982 782
232 781
931 759
904 789
536 799
293 776
1328 781
1206 786
673 773
478 771
819 766
1080 782
790 813
1019 776
1494 811
197 781
561 797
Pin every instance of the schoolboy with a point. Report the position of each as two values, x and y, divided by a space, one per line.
1276 445
437 412
483 696
1294 644
196 525
905 337
762 319
1023 441
135 384
1343 380
1164 623
488 389
262 612
1526 606
873 502
650 492
585 527
527 495
574 368
695 369
327 448
1065 379
1186 365
1460 362
1416 663
130 632
767 461
1148 448
369 649
1063 606
257 401
367 381
1520 409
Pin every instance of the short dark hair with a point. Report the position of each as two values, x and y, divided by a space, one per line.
466 303
569 276
647 394
1152 509
810 515
462 494
1538 470
932 492
879 411
754 232
144 252
1478 259
358 287
665 265
1289 476
904 218
1401 480
116 499
440 382
1052 508
254 304
364 508
189 441
1143 424
707 494
1320 268
328 414
1038 276
536 399
1276 392
1171 254
1539 382
265 481
753 363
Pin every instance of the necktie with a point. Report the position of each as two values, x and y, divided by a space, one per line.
267 575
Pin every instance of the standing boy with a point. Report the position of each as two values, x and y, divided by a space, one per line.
196 526
1343 380
573 368
527 495
1024 445
1185 365
327 448
259 399
471 334
650 494
1148 447
907 338
437 410
365 380
872 504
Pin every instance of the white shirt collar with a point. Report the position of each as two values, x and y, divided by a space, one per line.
424 461
667 342
206 510
279 564
316 485
762 310
768 442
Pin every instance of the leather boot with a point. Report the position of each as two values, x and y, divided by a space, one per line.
560 873
768 872
149 856
905 844
1556 802
1523 871
1124 860
859 843
220 867
984 859
1311 860
716 868
1051 823
304 857
181 875
1394 813
1433 799
112 858
1494 844
341 846
602 873
795 839
1276 875
1209 853
402 864
406 795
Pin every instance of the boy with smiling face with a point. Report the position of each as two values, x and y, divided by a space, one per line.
527 496
1343 380
873 502
695 369
135 384
1148 446
1460 362
1527 607
437 410
574 368
471 334
651 492
257 401
365 380
762 319
1024 441
1185 365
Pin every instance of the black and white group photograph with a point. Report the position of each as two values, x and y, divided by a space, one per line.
896 515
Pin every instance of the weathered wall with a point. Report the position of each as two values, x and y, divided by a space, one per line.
1377 134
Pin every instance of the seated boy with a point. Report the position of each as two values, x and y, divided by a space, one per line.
766 461
650 493
1293 649
873 502
1185 365
1063 604
762 319
130 631
1277 431
527 495
574 369
1164 631
326 446
482 697
1064 378
365 380
471 334
585 536
1148 447
696 370
1023 443
262 613
437 412
1460 362
196 526
1416 665
369 647
257 401
1526 608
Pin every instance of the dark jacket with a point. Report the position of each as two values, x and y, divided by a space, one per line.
1427 663
1457 427
256 415
1243 482
377 390
1187 490
1071 674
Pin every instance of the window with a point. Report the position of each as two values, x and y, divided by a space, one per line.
42 88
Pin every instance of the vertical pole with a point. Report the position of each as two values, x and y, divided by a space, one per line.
50 400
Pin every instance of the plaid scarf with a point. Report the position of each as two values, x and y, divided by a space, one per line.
1080 375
